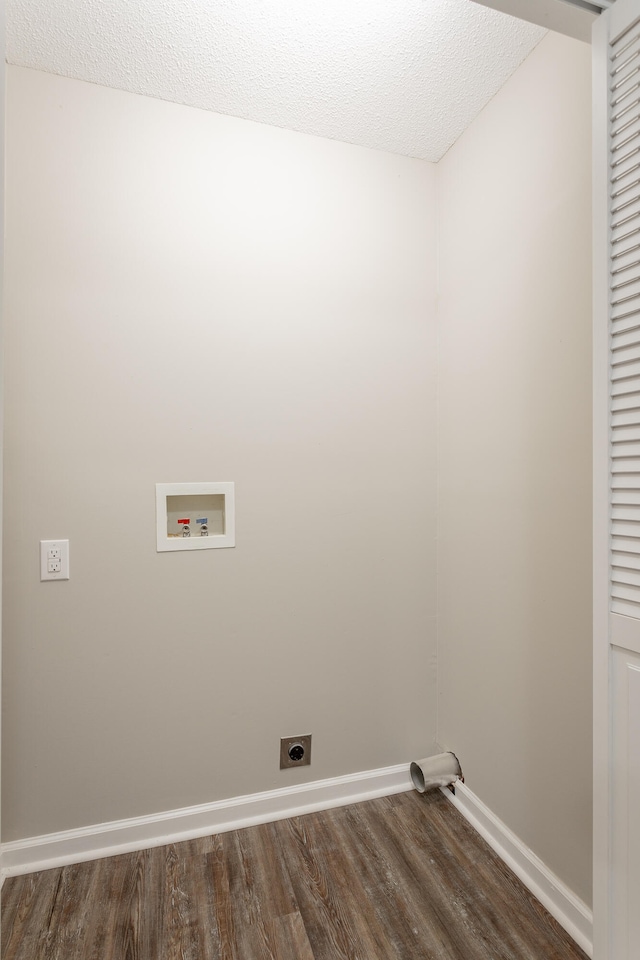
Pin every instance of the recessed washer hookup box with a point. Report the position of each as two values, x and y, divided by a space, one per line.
195 516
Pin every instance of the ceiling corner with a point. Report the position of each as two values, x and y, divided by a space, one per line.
573 18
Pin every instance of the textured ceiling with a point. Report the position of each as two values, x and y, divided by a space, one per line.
407 76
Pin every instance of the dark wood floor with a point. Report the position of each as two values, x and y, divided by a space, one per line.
400 877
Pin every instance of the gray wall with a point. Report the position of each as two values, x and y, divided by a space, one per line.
515 456
193 297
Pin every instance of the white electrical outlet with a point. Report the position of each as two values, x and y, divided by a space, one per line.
54 559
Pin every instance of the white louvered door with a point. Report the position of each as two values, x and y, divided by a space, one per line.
617 483
624 265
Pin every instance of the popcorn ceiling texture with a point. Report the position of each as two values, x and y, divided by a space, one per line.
407 76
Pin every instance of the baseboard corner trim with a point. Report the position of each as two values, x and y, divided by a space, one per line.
567 908
187 823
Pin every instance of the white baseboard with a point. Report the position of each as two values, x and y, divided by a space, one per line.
139 833
172 826
570 912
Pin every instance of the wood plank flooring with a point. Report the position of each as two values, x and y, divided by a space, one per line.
400 878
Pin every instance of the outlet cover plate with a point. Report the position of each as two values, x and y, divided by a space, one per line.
54 559
285 745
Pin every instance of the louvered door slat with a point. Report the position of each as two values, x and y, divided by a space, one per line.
622 465
626 433
625 498
625 401
625 481
627 337
624 576
627 560
623 418
626 451
624 528
627 372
